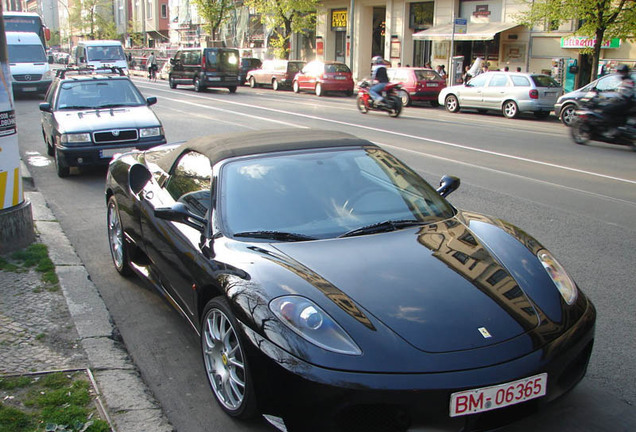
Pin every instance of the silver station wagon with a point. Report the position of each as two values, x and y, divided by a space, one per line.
512 93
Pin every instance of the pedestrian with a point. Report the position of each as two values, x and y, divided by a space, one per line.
151 64
506 69
441 71
518 69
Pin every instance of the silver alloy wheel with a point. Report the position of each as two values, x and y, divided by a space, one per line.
275 86
319 90
115 235
510 109
406 99
451 103
568 114
224 360
252 82
295 87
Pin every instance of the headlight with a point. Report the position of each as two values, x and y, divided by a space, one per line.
310 322
48 75
76 138
559 276
150 132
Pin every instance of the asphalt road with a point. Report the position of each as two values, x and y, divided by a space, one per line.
579 201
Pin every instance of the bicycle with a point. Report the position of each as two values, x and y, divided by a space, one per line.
152 73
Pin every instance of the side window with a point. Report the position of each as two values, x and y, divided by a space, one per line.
609 83
499 80
520 81
478 81
190 182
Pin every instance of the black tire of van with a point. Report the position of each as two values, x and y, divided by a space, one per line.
171 82
232 89
198 87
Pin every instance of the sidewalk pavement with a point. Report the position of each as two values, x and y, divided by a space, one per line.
35 334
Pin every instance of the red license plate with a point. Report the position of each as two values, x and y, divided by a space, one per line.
498 396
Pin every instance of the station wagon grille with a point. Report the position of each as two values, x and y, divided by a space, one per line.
115 136
27 77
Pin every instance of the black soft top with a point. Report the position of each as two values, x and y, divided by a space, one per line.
220 147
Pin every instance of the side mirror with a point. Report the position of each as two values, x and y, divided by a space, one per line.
447 185
180 213
138 177
151 100
45 106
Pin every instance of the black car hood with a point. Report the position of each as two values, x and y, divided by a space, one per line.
443 287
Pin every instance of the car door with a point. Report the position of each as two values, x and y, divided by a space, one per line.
471 96
174 248
48 125
496 91
177 66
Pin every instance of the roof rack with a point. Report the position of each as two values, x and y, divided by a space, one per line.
115 70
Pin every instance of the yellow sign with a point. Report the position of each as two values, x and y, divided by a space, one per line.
339 19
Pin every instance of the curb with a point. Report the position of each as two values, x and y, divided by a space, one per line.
129 403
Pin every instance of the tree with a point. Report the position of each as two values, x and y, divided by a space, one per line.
86 16
215 13
600 19
285 17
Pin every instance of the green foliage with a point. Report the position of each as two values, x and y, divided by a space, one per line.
36 255
285 17
61 401
215 13
602 19
86 16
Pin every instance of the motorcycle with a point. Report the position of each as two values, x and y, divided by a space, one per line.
392 102
592 124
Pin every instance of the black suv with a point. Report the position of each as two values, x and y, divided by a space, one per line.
205 67
89 115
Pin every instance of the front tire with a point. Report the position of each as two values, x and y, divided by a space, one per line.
510 109
581 132
118 250
60 165
295 87
451 103
319 91
198 87
568 115
252 82
406 99
172 83
232 89
361 106
225 361
275 85
396 108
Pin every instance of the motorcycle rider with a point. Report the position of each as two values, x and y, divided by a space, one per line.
618 107
379 75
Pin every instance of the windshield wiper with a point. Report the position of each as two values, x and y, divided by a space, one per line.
275 235
384 226
116 105
76 107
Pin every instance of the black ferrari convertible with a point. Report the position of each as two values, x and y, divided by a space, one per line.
334 289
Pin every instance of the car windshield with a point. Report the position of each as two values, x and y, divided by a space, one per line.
104 93
427 75
105 53
324 194
26 54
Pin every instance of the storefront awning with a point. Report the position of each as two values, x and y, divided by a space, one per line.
474 31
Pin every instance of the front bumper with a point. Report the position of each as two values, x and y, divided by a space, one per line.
311 398
30 86
101 155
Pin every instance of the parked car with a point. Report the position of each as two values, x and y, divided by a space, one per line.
247 64
566 106
418 84
89 115
332 286
278 74
511 93
322 77
28 64
205 67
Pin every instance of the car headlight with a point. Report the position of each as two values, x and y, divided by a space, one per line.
559 276
48 75
310 322
76 138
150 132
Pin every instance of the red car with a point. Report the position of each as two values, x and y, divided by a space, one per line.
322 77
418 84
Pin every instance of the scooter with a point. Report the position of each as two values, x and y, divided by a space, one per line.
392 102
592 124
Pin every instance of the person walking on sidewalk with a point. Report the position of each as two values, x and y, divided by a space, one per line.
151 63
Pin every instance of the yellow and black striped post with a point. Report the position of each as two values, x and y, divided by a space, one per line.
16 219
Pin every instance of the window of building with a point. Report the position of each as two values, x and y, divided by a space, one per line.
421 15
164 11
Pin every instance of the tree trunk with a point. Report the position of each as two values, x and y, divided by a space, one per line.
600 33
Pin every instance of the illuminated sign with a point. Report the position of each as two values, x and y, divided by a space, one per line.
339 20
587 42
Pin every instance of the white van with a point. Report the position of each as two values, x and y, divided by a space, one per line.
29 66
100 53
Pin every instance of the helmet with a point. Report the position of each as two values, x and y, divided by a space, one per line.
623 70
377 60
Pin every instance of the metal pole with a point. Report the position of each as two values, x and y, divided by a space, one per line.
16 219
351 29
452 51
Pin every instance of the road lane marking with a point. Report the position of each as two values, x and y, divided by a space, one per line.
389 132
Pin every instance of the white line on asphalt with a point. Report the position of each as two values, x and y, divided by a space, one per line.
400 134
427 155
